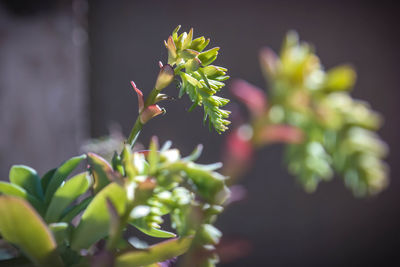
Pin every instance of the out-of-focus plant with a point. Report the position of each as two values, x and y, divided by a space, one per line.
311 110
54 220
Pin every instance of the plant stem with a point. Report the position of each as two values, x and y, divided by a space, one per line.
137 127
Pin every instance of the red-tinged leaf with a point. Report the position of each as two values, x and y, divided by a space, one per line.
280 133
171 47
101 170
139 95
253 97
150 112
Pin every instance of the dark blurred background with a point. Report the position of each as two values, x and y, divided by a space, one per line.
65 68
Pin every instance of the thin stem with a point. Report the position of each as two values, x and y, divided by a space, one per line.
137 127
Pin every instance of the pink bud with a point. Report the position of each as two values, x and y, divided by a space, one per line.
253 97
139 95
281 133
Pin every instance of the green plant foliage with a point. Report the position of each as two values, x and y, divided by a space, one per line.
339 131
71 213
138 189
26 178
46 179
100 170
60 231
199 80
36 241
15 190
66 194
95 221
60 175
157 253
141 225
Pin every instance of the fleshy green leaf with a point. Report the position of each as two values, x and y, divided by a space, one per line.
140 224
60 175
95 221
70 214
46 179
157 253
15 190
66 194
22 226
26 178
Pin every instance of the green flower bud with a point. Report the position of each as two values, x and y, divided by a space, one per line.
165 77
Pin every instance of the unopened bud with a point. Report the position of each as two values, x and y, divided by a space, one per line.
165 77
150 112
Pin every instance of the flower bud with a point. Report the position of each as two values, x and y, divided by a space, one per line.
150 112
165 77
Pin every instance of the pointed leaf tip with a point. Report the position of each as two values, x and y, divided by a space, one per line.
139 95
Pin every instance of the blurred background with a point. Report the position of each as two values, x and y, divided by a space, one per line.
65 68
